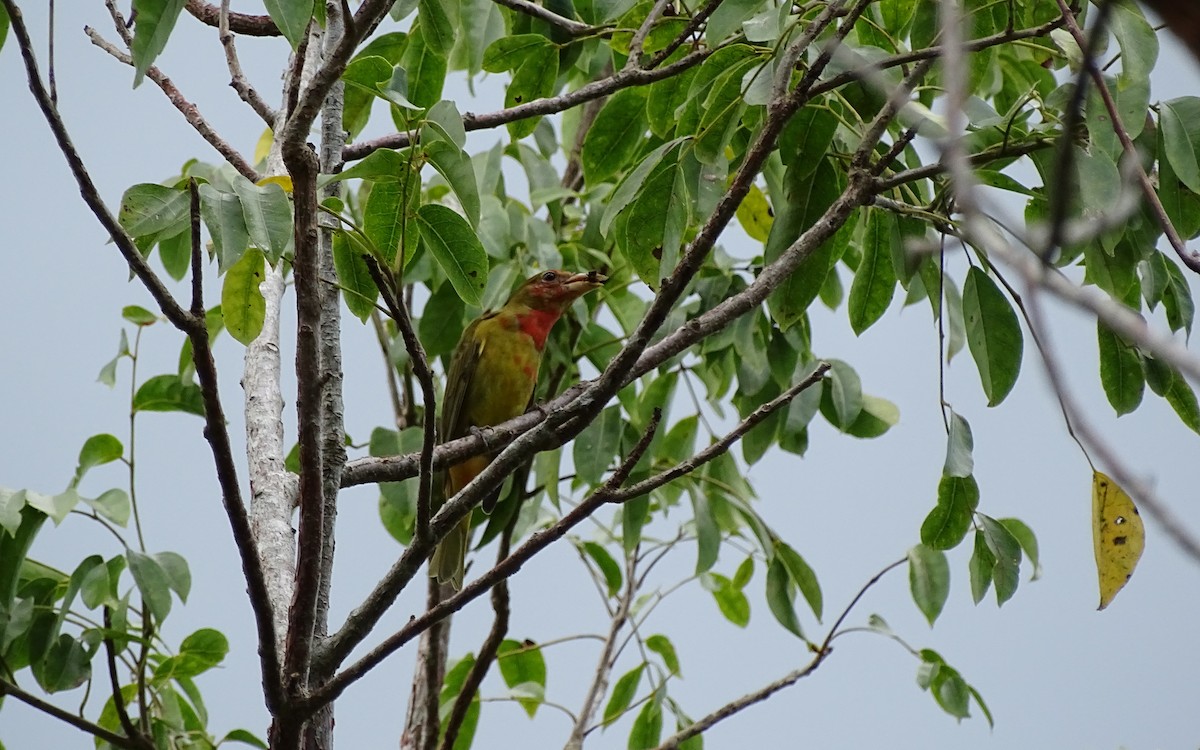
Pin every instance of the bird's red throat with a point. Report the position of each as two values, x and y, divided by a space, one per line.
537 324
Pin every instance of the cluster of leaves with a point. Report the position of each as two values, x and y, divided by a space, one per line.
56 624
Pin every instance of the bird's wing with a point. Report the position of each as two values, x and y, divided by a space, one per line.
458 380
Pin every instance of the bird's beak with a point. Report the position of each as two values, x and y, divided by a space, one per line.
585 281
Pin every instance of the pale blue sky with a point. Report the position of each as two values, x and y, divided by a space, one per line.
1055 672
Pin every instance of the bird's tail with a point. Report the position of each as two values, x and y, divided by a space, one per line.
449 559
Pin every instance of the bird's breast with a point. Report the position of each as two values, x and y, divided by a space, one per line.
504 378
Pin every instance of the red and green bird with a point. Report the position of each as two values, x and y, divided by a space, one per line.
491 380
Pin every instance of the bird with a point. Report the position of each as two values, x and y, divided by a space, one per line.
490 380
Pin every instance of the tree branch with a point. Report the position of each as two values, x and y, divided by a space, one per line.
487 650
546 106
237 77
8 688
239 23
420 365
533 10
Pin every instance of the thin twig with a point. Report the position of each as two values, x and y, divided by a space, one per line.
487 650
237 76
569 25
420 363
736 706
546 106
639 36
118 699
185 107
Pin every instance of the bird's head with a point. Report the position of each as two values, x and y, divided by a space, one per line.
554 291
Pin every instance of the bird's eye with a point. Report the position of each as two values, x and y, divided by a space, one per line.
549 276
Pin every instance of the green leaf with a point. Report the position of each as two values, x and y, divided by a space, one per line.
389 218
959 447
169 393
291 16
178 575
634 514
843 393
510 52
426 69
647 727
151 29
730 600
929 580
744 573
4 23
993 335
361 79
661 645
456 248
781 596
1007 552
436 27
720 112
805 140
455 165
980 568
521 664
650 232
113 505
1028 541
802 575
1178 118
1121 371
728 17
268 215
198 653
875 280
222 214
596 446
98 450
609 568
534 79
148 210
804 201
708 533
616 134
950 520
246 737
358 289
622 693
152 582
242 303
65 667
139 316
878 415
55 506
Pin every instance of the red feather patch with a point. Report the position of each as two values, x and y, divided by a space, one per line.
537 324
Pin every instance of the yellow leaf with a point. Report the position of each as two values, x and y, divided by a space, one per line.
263 147
754 214
1118 533
282 180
